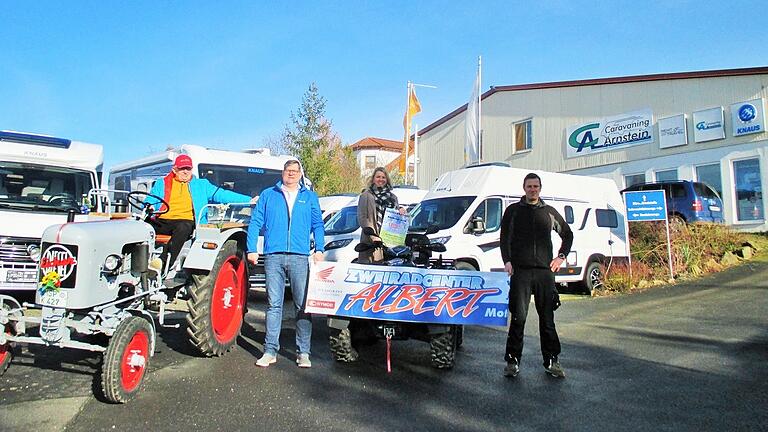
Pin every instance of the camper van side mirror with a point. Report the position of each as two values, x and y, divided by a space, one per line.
476 225
228 185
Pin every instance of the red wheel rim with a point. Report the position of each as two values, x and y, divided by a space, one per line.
228 300
5 350
134 360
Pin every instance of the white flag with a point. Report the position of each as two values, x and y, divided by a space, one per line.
472 121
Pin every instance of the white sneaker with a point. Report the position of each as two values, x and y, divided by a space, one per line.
266 360
303 361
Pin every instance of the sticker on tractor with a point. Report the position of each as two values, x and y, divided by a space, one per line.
61 260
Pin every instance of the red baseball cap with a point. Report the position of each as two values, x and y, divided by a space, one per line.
183 161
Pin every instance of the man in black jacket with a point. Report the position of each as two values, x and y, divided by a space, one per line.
526 249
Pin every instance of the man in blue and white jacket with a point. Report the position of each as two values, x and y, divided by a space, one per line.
288 213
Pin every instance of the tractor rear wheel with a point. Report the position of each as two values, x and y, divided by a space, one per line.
217 303
126 360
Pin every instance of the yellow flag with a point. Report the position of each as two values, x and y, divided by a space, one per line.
414 107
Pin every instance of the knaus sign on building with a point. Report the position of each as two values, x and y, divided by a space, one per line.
610 133
748 117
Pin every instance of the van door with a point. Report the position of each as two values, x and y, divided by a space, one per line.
490 211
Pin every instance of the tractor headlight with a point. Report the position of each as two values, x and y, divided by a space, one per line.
34 252
112 263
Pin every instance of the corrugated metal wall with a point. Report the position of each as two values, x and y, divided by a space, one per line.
553 110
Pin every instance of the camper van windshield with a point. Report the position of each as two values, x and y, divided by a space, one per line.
245 180
443 212
343 222
34 187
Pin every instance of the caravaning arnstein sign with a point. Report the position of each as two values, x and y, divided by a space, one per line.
610 133
748 117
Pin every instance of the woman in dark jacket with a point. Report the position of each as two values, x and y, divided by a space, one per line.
371 207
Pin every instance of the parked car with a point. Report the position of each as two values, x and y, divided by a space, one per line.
687 200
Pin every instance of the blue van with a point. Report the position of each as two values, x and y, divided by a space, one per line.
687 200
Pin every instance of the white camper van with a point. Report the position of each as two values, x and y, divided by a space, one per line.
248 172
330 204
467 206
342 232
41 179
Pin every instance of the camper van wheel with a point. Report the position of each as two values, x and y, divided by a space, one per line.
442 347
126 359
217 303
593 277
340 342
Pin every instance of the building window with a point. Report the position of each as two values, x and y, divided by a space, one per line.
749 190
710 174
666 175
370 162
633 179
522 136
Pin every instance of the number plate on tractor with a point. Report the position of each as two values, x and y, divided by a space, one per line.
54 299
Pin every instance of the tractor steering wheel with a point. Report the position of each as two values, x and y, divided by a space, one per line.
136 200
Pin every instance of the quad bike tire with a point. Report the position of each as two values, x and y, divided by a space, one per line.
217 303
340 343
126 359
442 349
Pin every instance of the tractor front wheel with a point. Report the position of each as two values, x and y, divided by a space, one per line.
217 303
126 359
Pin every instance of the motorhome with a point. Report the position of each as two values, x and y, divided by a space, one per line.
248 172
42 179
467 206
330 204
342 232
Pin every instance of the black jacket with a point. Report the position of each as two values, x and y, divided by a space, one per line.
526 240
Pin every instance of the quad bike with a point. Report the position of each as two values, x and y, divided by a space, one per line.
98 293
347 333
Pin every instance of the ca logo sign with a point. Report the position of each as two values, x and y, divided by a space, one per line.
582 137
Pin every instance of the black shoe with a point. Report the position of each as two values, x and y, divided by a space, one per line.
552 366
512 368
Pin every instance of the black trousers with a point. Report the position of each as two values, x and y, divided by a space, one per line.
179 229
540 282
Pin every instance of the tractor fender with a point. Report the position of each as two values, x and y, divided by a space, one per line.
207 244
144 314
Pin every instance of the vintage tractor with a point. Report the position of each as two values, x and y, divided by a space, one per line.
97 292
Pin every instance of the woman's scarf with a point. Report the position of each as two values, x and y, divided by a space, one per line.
384 199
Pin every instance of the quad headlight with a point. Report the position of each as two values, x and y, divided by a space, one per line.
112 263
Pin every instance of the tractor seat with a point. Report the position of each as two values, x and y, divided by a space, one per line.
162 239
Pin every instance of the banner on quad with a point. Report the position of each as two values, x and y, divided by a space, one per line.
408 294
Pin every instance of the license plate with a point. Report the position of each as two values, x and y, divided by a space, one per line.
54 299
21 276
714 208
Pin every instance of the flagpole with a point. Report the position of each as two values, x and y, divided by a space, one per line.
404 172
479 108
415 153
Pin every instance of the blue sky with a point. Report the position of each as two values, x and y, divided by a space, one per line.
141 75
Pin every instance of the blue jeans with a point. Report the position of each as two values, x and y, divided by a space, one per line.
296 268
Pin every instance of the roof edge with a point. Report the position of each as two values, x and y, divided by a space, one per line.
602 81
